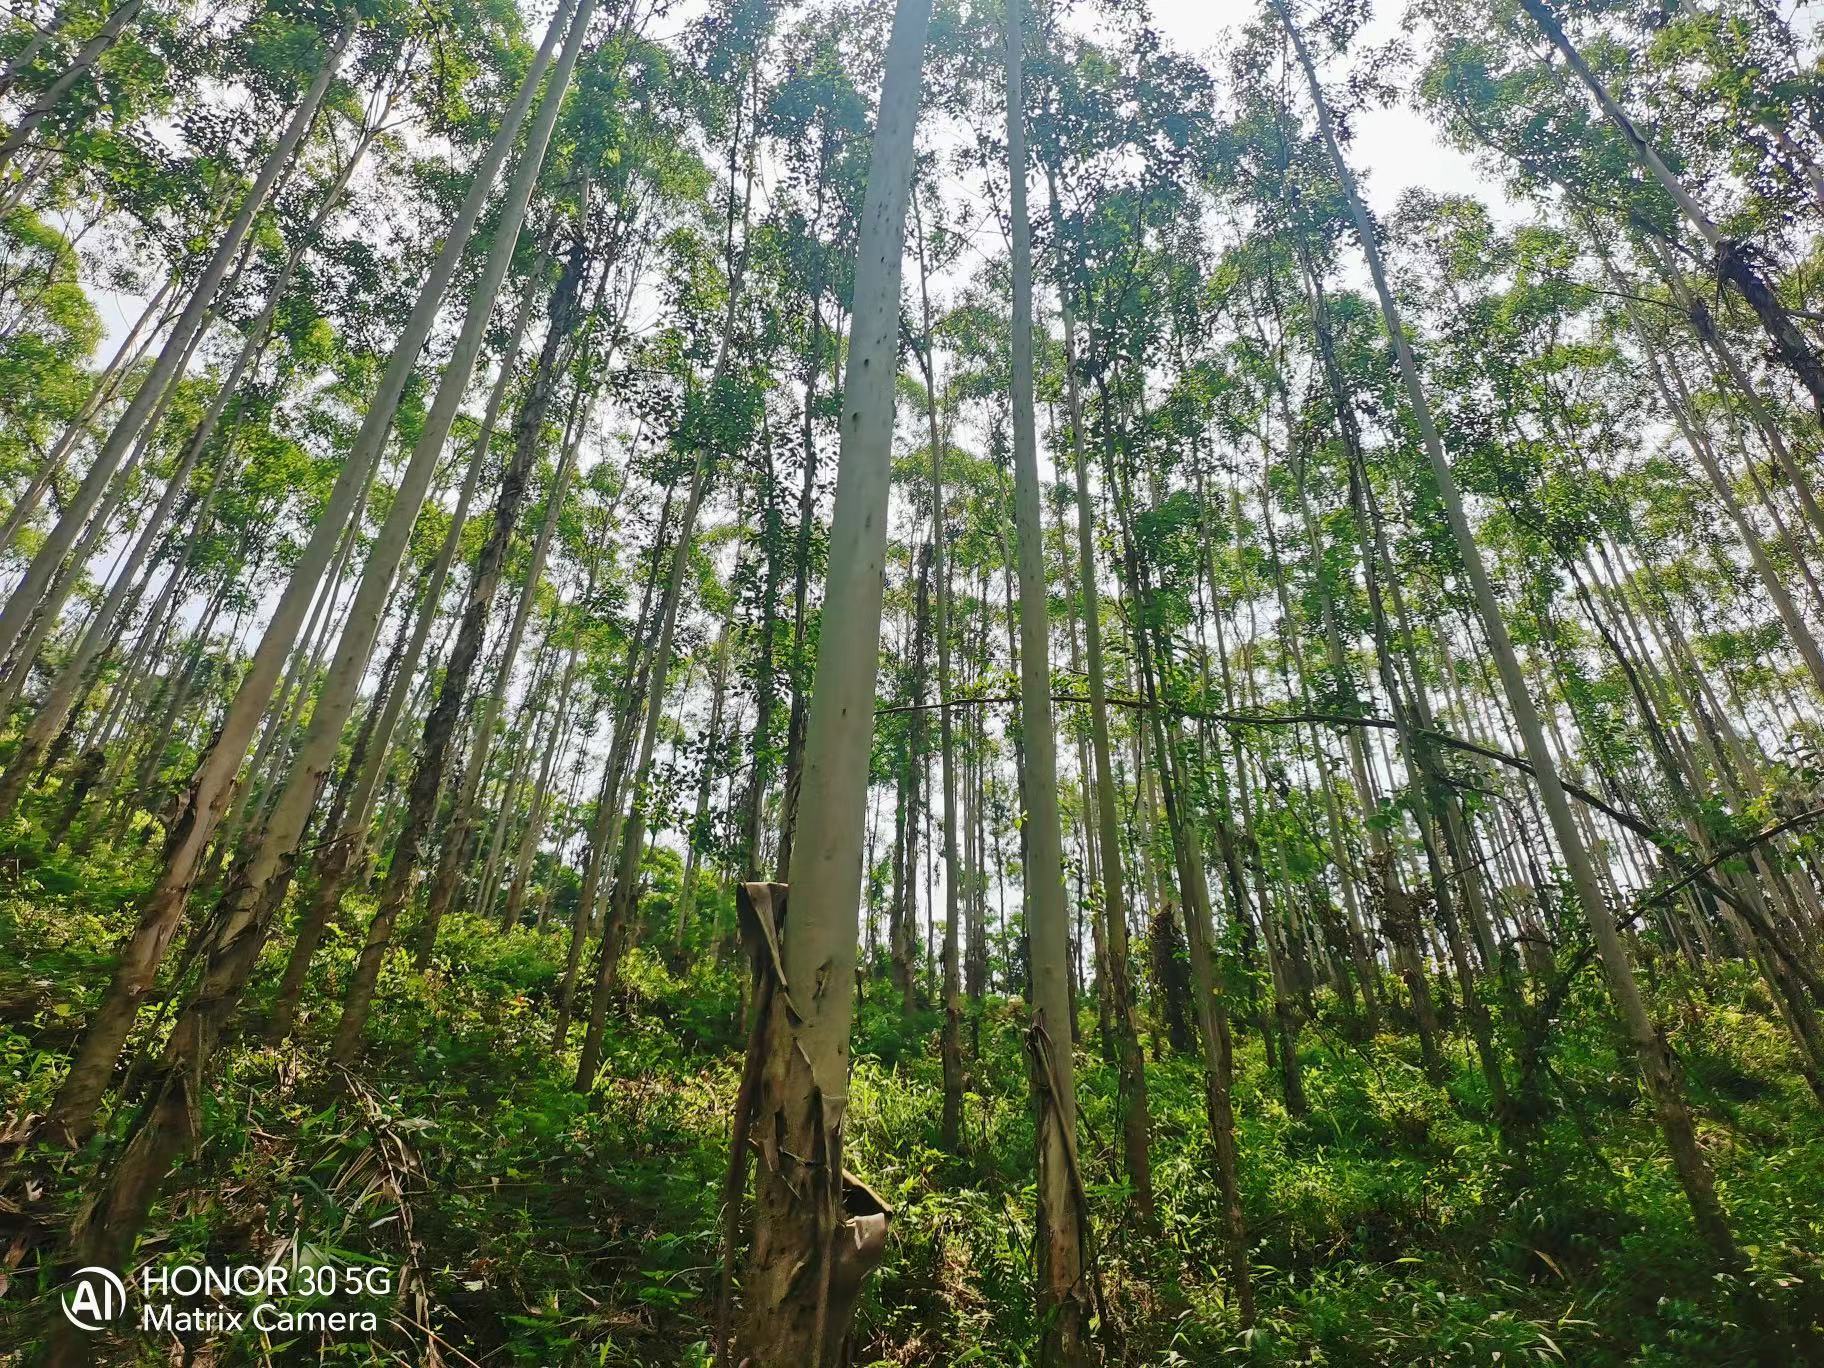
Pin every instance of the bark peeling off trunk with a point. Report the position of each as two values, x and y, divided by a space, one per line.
814 1247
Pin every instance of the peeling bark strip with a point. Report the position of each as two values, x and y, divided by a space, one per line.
822 1274
805 1068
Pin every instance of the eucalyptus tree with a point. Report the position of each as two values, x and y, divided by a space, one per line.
1651 1055
616 158
1063 1216
61 92
951 1044
1086 135
804 1198
710 421
209 790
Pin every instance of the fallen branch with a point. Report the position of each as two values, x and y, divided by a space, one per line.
1638 825
1668 849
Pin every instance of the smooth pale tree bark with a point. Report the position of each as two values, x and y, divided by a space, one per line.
314 920
1207 989
153 629
1129 1065
633 823
46 104
1652 1057
48 719
567 815
908 817
426 782
559 737
1063 1210
167 692
460 827
67 575
46 614
1210 999
1432 803
807 1264
209 789
975 928
607 805
1434 806
1366 966
801 556
766 690
28 594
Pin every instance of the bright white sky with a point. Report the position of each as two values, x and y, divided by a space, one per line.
1394 149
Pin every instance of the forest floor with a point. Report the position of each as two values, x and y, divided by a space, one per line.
534 1225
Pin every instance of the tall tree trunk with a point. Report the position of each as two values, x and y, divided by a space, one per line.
460 828
208 792
951 1044
159 310
712 747
1063 1217
1129 1064
634 681
27 54
812 1249
1652 1056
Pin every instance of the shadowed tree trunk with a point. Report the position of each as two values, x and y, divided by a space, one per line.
440 723
1651 1055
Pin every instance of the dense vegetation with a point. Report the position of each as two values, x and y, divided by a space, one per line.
889 684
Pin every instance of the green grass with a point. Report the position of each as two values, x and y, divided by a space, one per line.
1388 1226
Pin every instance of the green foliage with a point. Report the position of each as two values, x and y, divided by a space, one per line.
1389 1226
